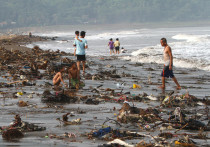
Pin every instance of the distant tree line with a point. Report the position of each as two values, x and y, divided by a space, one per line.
24 13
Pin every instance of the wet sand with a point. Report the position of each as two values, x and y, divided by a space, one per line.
18 42
194 80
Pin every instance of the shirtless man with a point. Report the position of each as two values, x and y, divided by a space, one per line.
168 64
58 78
74 79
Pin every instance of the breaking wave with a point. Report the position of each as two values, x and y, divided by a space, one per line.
192 52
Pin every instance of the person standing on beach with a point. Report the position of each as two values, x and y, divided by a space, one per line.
77 38
111 46
168 64
117 46
80 51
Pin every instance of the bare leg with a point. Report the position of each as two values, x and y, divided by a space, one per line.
110 52
178 86
83 65
163 83
57 81
78 66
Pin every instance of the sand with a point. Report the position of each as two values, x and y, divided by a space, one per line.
18 42
195 81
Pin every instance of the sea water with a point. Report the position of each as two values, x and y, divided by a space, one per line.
190 45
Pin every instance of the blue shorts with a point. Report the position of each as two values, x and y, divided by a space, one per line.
167 73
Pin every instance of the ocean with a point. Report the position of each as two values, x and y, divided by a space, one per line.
190 45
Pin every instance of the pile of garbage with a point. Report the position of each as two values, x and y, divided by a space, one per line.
133 114
61 97
15 129
185 141
180 101
108 134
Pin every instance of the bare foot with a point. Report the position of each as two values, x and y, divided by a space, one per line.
162 87
178 88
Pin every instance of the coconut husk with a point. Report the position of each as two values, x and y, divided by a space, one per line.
22 104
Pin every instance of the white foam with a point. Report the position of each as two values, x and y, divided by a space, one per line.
191 38
192 53
114 35
55 33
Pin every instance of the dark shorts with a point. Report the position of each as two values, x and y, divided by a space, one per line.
111 48
167 73
81 58
117 48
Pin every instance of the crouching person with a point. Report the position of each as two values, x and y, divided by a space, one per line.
74 79
58 78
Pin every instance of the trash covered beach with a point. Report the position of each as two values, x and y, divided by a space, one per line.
120 105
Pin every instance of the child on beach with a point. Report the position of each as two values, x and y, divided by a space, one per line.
77 38
123 50
117 46
111 46
74 79
58 78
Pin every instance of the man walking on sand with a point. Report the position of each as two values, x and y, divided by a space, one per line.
168 64
80 51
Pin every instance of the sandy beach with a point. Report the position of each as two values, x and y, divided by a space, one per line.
108 78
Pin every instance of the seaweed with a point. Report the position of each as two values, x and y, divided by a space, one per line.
11 134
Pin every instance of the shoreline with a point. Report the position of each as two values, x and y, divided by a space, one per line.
18 42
